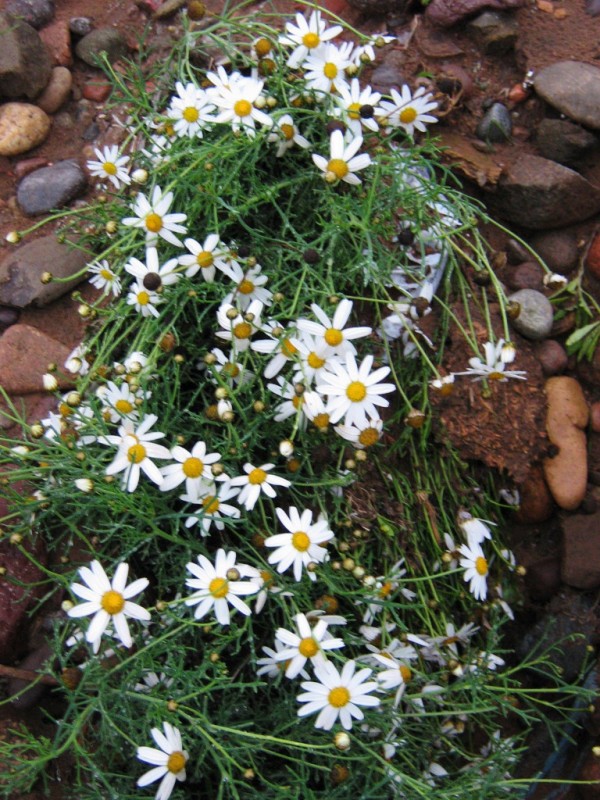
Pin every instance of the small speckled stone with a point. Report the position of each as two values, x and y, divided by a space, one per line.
535 317
496 124
22 127
51 187
80 26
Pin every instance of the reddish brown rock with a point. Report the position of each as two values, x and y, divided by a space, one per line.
536 503
529 275
28 165
581 551
592 257
595 417
57 39
543 578
552 356
95 91
25 354
449 12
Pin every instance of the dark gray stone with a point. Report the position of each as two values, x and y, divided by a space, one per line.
25 64
36 13
495 32
51 187
573 88
102 40
564 141
80 26
448 12
495 125
21 270
536 315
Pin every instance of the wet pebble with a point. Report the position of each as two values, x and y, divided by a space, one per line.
36 13
495 125
57 39
25 63
535 314
57 92
80 26
552 356
51 187
573 88
22 127
516 253
96 91
27 165
558 250
564 141
107 40
529 275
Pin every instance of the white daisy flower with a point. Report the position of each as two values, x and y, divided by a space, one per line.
266 581
281 344
104 278
358 106
110 166
208 256
307 644
236 328
362 436
331 332
324 67
476 569
270 666
214 507
109 602
229 370
193 467
306 36
286 134
120 401
407 110
475 530
255 481
337 695
168 762
497 356
444 385
151 215
365 53
293 405
343 161
136 449
143 300
312 358
302 544
396 674
385 587
77 362
219 586
152 275
236 103
316 411
152 679
250 285
190 110
354 391
158 149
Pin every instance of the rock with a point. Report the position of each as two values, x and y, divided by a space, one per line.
22 268
170 7
51 187
573 88
80 26
592 257
535 317
589 775
537 193
495 125
96 91
595 416
57 92
581 551
27 165
101 40
22 127
516 253
536 503
552 356
25 63
389 73
495 32
564 141
529 275
567 417
543 578
57 39
449 12
25 353
557 249
36 13
8 317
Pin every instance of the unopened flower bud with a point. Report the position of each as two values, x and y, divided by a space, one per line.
286 448
139 176
341 741
84 485
49 382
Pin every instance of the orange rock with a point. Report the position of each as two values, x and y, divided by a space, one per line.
546 6
518 94
568 414
561 13
536 503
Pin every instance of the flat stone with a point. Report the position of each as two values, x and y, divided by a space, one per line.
101 40
25 64
25 354
51 187
57 39
528 275
22 127
36 13
538 193
22 268
558 250
581 551
536 314
573 88
563 141
170 7
448 12
57 92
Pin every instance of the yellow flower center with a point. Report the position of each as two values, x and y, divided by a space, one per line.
257 476
245 287
218 587
300 541
408 115
333 336
288 349
143 298
268 578
314 361
386 589
356 391
107 274
110 168
321 421
192 467
338 167
288 131
262 47
496 376
190 114
368 437
124 406
308 647
311 40
176 762
112 602
481 565
242 108
330 70
354 111
154 222
405 672
243 330
339 697
297 401
136 453
230 370
210 504
204 259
